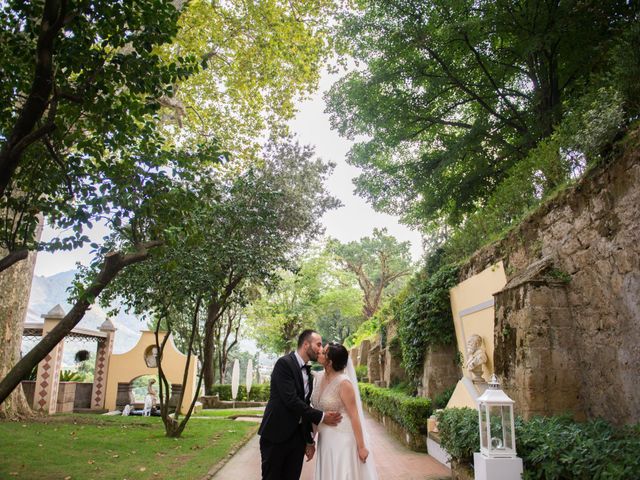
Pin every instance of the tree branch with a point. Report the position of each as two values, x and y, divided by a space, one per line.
113 263
13 257
484 69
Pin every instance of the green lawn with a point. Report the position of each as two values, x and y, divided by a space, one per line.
87 447
229 412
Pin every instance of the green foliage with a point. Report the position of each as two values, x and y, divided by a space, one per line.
424 317
552 448
362 373
338 312
71 376
316 294
33 374
380 263
557 448
366 331
459 433
410 412
578 142
100 96
559 275
258 59
441 400
258 392
452 95
237 230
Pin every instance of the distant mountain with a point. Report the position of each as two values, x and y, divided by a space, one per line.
47 292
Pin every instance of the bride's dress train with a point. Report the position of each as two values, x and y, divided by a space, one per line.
337 452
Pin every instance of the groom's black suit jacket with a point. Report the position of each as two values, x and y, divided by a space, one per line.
288 409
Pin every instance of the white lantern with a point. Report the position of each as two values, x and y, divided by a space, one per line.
497 459
497 429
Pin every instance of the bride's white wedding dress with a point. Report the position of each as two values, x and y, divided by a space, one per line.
337 452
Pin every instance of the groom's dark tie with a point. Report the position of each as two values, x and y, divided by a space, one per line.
307 387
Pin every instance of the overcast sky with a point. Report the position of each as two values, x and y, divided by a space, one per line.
354 220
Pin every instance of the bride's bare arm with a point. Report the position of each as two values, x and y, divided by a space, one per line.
348 397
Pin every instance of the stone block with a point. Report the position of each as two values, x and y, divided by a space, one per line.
440 370
373 363
363 352
393 371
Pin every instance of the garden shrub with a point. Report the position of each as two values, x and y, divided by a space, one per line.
441 400
558 448
552 448
362 372
459 433
410 412
258 393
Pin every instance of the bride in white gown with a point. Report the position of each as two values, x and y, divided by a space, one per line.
343 451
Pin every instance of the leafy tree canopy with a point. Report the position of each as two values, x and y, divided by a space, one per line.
379 264
236 231
79 93
258 59
316 294
451 94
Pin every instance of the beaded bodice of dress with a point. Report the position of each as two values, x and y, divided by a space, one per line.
326 396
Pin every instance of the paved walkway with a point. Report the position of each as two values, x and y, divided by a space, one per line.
393 460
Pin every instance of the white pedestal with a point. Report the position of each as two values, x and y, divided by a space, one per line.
486 468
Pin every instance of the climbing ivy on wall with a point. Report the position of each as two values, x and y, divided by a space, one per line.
424 317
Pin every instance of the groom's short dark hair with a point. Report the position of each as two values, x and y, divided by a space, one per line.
304 336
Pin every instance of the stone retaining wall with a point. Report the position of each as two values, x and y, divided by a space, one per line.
570 337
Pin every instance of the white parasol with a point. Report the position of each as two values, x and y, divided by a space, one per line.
249 378
235 379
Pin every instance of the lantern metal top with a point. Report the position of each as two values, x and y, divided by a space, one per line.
494 394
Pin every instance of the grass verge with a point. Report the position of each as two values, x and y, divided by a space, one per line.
98 447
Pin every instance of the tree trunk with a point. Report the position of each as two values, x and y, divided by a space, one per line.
15 287
113 263
218 303
208 367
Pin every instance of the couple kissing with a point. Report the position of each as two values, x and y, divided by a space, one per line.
303 407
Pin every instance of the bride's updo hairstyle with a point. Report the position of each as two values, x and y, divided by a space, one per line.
338 355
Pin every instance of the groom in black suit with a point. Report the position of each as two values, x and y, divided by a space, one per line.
286 431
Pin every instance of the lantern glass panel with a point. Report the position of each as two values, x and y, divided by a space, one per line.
484 443
498 428
507 413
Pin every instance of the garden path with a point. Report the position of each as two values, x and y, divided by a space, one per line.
393 460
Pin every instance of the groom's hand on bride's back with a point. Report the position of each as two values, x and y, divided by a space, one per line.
332 418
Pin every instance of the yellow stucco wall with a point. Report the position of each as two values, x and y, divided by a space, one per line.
473 313
127 366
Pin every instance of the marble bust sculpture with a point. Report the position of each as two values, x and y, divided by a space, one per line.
476 358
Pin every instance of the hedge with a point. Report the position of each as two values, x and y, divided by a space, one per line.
410 412
258 393
552 448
